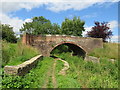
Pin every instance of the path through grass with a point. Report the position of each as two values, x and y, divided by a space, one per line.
81 74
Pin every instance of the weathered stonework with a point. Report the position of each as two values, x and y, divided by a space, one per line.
46 43
23 68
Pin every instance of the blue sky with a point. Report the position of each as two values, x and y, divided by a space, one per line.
57 10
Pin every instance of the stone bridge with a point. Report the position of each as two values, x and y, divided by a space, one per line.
47 43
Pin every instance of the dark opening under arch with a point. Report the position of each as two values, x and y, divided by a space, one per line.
77 50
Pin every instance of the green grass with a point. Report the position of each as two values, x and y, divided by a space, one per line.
85 74
66 81
81 74
41 72
34 79
109 50
14 54
59 66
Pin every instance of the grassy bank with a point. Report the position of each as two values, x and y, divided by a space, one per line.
16 53
36 78
109 50
81 74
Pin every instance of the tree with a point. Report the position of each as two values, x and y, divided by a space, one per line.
7 33
100 30
73 26
55 29
40 25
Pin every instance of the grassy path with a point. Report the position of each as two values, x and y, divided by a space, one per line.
81 74
53 75
47 79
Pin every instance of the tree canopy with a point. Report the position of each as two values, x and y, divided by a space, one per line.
40 25
100 30
7 33
73 26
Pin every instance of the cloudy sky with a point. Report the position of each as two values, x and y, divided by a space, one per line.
17 12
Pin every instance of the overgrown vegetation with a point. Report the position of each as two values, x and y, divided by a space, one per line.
34 79
13 54
109 50
81 74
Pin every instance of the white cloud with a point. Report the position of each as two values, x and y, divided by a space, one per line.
8 6
15 22
14 6
113 24
63 5
76 5
86 30
53 5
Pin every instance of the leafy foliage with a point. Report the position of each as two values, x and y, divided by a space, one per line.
40 25
7 33
73 27
100 30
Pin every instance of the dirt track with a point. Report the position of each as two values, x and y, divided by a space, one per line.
51 73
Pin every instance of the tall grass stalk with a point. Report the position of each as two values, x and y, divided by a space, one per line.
13 54
109 50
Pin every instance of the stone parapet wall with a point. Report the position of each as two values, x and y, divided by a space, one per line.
23 68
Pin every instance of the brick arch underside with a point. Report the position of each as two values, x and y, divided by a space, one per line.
77 50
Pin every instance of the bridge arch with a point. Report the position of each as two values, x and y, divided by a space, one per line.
46 43
77 49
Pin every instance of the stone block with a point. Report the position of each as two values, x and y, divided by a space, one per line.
23 68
